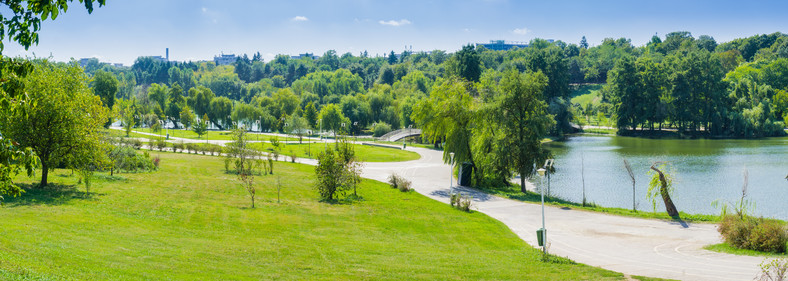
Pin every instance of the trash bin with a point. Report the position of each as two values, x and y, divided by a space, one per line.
168 136
466 170
540 236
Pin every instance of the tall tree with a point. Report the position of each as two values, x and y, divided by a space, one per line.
62 118
105 85
523 120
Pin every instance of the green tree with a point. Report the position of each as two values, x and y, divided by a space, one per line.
105 85
201 126
243 158
523 120
310 113
331 119
220 111
661 185
200 99
187 117
62 118
297 125
24 24
176 102
466 64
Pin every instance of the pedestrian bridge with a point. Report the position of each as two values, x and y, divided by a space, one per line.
400 134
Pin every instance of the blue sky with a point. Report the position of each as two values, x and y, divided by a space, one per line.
200 29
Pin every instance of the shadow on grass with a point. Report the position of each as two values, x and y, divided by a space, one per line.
349 200
52 194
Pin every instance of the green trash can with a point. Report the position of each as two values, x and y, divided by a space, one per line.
540 236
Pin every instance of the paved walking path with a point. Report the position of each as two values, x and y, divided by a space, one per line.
632 246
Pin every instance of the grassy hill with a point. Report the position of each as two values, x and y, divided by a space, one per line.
190 221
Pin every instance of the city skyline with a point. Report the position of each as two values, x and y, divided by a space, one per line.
199 30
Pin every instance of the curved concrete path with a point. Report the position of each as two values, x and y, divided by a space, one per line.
632 246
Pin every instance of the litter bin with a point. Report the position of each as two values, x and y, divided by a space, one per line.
540 236
466 169
168 136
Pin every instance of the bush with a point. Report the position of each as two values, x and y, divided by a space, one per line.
381 129
178 146
136 143
773 270
161 144
398 182
759 234
461 202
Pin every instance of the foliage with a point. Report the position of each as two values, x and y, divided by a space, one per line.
125 158
400 183
201 127
25 23
774 270
62 118
765 235
381 129
460 201
243 158
105 85
13 160
337 172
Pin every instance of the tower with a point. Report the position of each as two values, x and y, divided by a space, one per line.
167 54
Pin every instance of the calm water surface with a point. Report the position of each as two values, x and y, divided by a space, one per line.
703 170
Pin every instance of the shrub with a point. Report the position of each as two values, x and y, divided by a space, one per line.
758 234
136 143
775 270
461 202
161 144
292 156
398 182
768 236
177 146
156 161
381 129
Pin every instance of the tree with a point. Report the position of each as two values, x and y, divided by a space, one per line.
310 113
187 117
661 184
583 43
242 156
337 171
105 85
523 120
175 103
63 116
467 64
297 125
220 111
201 126
331 118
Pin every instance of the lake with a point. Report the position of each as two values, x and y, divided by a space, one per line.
704 170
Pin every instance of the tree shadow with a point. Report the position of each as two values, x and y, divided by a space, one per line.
677 220
52 194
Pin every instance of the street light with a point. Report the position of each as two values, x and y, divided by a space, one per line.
543 231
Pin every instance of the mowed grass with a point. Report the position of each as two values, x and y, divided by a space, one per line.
364 153
211 135
585 94
191 221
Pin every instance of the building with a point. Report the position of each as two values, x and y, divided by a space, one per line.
225 59
304 55
501 45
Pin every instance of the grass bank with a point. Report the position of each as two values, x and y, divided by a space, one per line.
728 249
513 192
191 221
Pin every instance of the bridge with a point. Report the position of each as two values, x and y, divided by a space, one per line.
400 134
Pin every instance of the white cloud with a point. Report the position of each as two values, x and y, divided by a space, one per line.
521 31
204 10
299 18
395 23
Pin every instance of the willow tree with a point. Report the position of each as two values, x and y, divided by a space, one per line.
662 184
62 117
448 115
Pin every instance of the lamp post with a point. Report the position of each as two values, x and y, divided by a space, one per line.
541 172
451 167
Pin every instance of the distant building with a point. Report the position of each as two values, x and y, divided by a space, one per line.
225 59
304 55
501 45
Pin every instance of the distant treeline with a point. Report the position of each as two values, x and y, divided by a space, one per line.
735 89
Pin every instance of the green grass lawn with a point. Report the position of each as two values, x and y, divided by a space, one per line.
364 153
513 192
191 221
585 94
726 248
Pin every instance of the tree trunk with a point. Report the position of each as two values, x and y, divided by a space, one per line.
44 174
663 190
522 180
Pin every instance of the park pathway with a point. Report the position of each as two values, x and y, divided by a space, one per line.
633 246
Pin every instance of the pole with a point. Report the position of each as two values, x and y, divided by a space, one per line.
544 233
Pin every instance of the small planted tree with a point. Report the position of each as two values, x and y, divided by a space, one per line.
337 172
632 177
239 153
201 127
661 184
